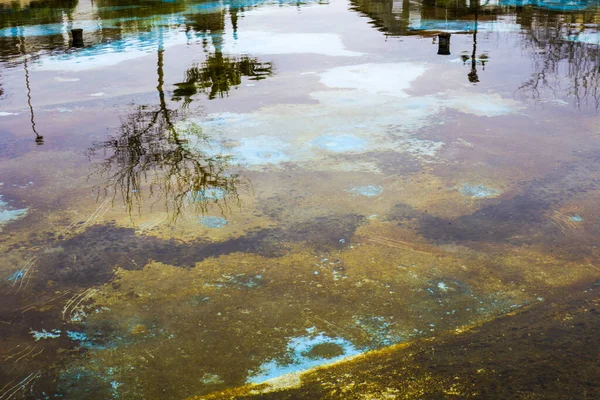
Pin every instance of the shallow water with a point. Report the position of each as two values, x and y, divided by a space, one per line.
215 198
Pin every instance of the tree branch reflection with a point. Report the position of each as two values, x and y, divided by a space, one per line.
563 64
172 161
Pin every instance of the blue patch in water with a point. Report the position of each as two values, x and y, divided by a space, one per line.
44 334
555 5
262 150
208 194
16 276
8 215
585 37
263 156
213 222
478 191
339 143
84 340
369 191
576 218
77 336
442 25
299 356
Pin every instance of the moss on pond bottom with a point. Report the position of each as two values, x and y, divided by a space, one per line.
232 315
545 352
324 350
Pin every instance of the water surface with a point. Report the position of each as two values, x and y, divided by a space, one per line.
216 198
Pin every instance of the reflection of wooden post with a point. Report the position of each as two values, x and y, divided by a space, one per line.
444 44
77 35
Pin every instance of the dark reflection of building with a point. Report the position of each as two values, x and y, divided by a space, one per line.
406 17
17 14
45 21
550 29
151 157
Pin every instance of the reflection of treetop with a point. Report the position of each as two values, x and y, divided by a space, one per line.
218 74
150 150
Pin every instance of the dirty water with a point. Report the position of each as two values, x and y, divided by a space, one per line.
317 199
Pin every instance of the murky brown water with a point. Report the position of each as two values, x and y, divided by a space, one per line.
214 199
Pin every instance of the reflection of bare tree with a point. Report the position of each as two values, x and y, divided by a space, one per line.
218 74
147 150
39 140
151 153
556 52
472 76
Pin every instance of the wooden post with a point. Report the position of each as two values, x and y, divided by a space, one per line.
77 35
444 44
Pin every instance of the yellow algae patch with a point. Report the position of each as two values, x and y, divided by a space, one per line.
441 196
529 349
489 268
138 329
238 316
